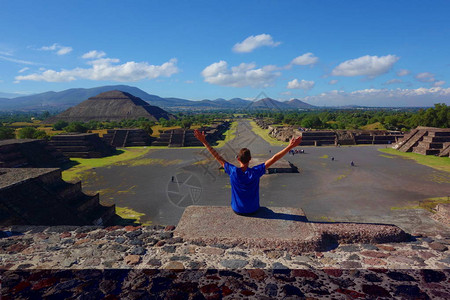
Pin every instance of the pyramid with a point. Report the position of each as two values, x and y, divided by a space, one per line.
111 106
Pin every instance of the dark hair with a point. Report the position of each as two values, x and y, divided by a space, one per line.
244 155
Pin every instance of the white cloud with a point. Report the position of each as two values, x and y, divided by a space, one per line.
425 77
383 97
439 83
23 69
243 75
370 66
393 81
253 42
18 61
107 69
303 84
403 72
60 50
189 81
288 93
305 59
333 81
94 54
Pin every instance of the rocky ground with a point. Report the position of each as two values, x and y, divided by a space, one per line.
139 262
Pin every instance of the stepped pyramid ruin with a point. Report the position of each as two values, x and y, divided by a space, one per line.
427 141
127 137
39 196
30 153
111 106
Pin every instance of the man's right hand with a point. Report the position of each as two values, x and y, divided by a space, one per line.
295 142
200 136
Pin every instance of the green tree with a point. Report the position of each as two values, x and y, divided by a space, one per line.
147 126
26 133
6 133
76 127
60 125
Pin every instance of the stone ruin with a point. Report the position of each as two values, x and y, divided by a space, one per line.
39 196
85 145
127 138
332 137
29 153
186 138
426 141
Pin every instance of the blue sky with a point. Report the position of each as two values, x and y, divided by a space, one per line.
376 53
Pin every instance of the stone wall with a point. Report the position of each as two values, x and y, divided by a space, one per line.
38 196
138 262
85 145
30 154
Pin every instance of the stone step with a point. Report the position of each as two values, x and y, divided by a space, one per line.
281 228
436 139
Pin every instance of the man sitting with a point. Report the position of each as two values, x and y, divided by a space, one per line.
244 180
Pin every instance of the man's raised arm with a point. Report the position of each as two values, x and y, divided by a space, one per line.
292 144
201 137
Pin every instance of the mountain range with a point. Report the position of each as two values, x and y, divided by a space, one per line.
58 101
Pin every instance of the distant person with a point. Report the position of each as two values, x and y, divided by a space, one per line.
352 164
332 158
172 178
245 180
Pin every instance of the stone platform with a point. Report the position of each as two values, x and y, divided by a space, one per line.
281 166
281 228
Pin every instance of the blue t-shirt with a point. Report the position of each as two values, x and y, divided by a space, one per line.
245 187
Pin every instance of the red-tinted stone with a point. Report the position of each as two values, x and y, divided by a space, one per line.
374 261
21 286
38 275
386 248
319 254
209 289
79 242
375 290
304 273
160 243
333 272
377 270
351 293
65 235
16 248
226 290
213 277
44 283
169 228
132 228
112 228
81 235
247 293
375 254
257 274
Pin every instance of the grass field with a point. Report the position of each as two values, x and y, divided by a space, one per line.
435 162
428 204
264 133
229 135
374 126
158 127
85 164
